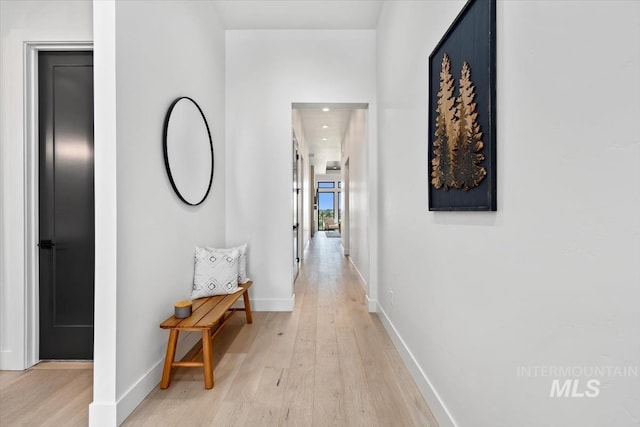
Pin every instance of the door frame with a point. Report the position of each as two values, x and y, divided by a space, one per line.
31 235
301 205
298 205
345 207
295 207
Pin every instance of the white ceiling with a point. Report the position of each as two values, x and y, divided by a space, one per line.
323 143
308 15
299 14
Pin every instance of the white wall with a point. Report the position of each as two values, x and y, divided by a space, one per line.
551 278
162 50
22 21
266 72
355 152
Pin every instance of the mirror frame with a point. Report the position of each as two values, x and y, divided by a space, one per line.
166 156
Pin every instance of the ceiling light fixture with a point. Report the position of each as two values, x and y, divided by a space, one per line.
324 139
325 109
325 126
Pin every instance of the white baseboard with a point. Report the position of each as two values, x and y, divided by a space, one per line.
8 361
372 305
430 395
112 414
273 304
138 391
363 282
103 414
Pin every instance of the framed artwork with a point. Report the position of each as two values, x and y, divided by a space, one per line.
462 113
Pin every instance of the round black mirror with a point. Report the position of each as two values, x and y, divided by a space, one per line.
188 151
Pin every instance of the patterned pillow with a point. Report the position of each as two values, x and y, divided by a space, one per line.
242 265
215 273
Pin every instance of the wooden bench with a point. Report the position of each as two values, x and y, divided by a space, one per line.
208 317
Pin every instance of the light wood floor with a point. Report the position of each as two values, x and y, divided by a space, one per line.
49 394
328 363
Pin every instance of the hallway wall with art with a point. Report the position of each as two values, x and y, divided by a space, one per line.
551 278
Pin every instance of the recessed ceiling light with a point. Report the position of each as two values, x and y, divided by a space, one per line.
324 139
325 109
325 126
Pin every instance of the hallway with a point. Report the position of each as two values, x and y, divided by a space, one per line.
328 363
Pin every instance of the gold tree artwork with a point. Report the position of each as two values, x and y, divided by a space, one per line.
446 132
457 148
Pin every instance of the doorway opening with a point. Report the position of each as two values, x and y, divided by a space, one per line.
60 202
327 200
333 137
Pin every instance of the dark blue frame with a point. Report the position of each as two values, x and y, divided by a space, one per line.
471 38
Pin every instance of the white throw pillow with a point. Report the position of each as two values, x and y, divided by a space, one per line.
215 273
242 265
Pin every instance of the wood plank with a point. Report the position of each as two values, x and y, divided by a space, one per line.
207 358
66 365
195 320
168 358
247 305
172 321
358 403
266 404
238 337
281 352
223 306
7 378
207 311
330 361
297 407
328 407
187 402
46 391
387 396
247 380
72 412
231 414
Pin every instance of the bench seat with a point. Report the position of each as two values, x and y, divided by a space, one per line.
209 315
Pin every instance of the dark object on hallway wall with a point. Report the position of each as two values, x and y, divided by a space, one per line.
188 151
462 113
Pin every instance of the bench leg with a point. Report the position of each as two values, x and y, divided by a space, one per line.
207 358
168 359
247 306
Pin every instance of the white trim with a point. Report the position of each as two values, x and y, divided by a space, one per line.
273 304
31 311
131 398
106 210
371 147
363 282
346 219
372 303
103 414
31 237
109 414
437 406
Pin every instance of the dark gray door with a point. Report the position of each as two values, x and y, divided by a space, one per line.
66 204
296 209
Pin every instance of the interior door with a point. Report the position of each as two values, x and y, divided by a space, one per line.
296 209
66 205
